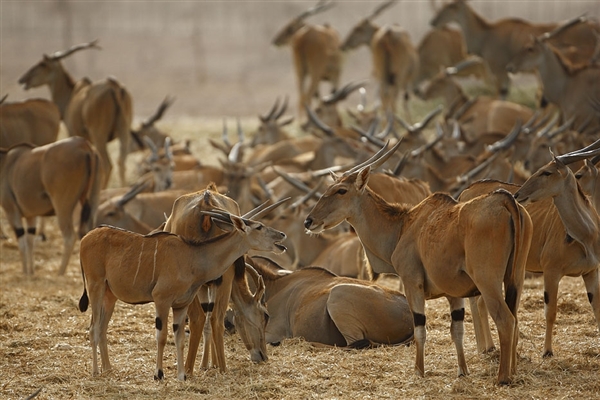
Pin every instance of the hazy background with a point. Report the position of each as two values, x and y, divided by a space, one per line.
215 57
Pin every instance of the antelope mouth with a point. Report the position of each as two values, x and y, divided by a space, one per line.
315 229
280 247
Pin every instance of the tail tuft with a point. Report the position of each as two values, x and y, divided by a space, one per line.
84 301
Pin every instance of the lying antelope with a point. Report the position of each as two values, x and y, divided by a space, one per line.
439 248
315 52
395 59
326 309
476 115
441 48
99 112
162 268
566 240
497 42
50 180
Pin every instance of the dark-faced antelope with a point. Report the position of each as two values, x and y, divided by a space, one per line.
575 90
395 58
497 42
50 180
439 248
99 112
315 51
162 268
326 309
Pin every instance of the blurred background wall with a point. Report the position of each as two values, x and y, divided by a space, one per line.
215 57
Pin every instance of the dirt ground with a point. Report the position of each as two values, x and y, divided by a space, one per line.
44 344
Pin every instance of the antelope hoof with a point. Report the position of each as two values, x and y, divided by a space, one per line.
548 353
159 376
489 350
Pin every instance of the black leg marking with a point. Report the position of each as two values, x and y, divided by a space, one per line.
590 297
419 319
19 232
546 299
158 323
458 315
31 231
360 344
175 327
511 298
207 307
160 375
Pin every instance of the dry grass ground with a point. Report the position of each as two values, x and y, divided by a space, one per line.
44 344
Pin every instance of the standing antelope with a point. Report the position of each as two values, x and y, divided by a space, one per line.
439 248
395 59
99 112
188 220
35 121
49 180
315 52
566 240
162 268
498 42
575 90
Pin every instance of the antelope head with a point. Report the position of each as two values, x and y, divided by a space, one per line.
340 201
555 177
363 32
256 234
286 33
47 70
252 321
454 11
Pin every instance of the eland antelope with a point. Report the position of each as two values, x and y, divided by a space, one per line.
99 112
439 248
50 180
163 268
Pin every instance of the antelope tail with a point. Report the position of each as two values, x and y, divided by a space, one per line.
84 301
91 192
515 272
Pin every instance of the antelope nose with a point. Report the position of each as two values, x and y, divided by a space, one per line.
308 222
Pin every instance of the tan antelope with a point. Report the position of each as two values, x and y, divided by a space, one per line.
35 121
498 42
49 180
395 58
188 220
476 115
575 90
441 48
162 268
99 112
315 52
439 248
326 309
566 239
137 210
271 128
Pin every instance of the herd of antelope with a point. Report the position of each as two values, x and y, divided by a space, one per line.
460 204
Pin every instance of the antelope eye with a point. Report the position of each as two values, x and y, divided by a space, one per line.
259 228
341 191
546 173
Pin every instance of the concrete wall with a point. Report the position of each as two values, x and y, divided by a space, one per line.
214 56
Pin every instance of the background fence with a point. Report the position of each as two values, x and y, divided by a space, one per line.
214 56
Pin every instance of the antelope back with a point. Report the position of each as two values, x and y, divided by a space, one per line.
187 218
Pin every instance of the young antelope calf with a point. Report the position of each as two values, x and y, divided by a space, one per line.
162 268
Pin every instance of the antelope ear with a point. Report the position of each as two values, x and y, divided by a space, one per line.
239 223
362 177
